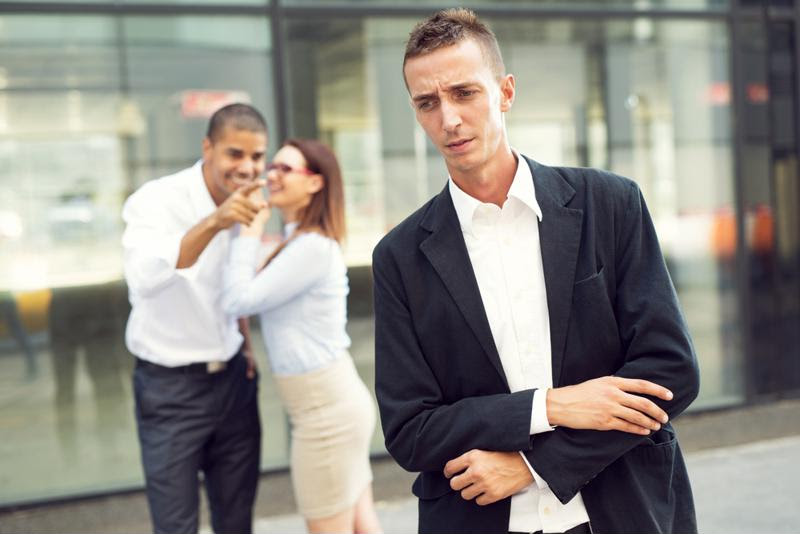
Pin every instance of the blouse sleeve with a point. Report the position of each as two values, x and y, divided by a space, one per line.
304 261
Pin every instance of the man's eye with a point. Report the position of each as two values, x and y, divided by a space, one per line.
465 93
425 105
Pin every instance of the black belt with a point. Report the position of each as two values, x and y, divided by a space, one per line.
583 528
204 368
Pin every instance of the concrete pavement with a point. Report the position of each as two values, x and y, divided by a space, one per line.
745 489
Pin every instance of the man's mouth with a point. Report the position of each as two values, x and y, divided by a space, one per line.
241 178
458 144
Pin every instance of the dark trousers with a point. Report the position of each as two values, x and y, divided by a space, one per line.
583 528
191 421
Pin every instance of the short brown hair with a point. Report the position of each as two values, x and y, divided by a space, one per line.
449 27
325 211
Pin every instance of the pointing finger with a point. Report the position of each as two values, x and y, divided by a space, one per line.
252 186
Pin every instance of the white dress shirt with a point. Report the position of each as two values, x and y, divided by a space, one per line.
177 316
301 299
505 252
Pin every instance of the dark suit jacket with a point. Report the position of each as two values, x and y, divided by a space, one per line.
613 311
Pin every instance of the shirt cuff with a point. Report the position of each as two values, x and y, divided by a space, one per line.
170 250
539 421
540 482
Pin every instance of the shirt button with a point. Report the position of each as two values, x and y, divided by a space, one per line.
546 510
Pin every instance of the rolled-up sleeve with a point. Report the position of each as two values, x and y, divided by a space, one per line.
150 246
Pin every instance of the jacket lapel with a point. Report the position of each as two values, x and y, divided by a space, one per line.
560 237
447 252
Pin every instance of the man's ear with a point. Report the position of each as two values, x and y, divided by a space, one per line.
507 92
207 147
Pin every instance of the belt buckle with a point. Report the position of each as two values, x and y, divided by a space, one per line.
215 367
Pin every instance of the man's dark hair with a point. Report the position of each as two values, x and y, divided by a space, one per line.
238 116
449 27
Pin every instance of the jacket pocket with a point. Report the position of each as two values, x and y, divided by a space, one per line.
593 347
431 485
665 437
653 464
598 276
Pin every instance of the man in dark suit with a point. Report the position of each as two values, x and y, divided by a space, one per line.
530 348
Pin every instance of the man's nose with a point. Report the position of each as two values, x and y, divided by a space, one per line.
246 167
451 118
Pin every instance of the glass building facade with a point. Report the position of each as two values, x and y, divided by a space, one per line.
696 100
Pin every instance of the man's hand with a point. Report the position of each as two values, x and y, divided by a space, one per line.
247 347
251 363
606 403
238 207
488 475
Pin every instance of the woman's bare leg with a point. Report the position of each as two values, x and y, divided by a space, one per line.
366 519
341 523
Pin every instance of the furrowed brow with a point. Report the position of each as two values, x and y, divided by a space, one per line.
420 98
460 86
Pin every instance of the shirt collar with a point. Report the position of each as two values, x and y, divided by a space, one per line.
522 188
465 206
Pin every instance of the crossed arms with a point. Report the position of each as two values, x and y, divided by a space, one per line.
476 439
606 403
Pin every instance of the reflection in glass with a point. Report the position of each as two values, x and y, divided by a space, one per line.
90 108
771 200
645 98
649 100
562 4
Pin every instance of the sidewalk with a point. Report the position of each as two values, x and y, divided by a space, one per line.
748 489
745 489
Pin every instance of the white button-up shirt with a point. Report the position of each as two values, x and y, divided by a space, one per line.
505 252
177 316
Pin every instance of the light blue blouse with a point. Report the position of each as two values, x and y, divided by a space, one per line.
300 298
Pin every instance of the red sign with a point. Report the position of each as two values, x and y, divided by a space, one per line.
757 93
719 94
200 104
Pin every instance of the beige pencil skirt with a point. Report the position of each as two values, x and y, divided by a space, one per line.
332 417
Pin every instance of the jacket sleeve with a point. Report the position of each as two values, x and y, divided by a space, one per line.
657 347
422 430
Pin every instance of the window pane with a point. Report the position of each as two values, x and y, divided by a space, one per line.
181 69
564 4
91 107
200 2
649 100
193 2
646 98
771 200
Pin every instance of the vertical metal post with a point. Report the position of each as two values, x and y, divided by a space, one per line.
744 292
796 34
279 72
